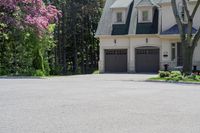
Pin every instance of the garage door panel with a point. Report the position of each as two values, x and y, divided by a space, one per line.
147 60
116 60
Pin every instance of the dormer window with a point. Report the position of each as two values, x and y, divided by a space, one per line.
119 17
146 9
145 16
120 9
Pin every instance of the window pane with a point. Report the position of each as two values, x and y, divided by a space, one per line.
173 51
119 17
145 16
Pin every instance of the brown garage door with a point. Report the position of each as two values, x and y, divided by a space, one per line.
147 60
116 60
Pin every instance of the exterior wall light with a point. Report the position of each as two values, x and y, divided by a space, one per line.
115 41
147 40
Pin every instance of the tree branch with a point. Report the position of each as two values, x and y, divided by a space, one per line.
190 22
178 19
195 9
186 9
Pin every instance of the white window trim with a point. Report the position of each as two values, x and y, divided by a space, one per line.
142 13
124 15
150 15
175 47
119 22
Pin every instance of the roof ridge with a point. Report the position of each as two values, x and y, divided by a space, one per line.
151 1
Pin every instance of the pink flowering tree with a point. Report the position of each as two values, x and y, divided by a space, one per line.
32 16
32 13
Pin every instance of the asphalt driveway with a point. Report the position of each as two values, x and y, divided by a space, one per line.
110 103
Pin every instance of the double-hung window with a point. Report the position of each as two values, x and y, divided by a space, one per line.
119 17
145 16
173 49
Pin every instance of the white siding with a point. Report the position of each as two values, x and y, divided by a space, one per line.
197 16
168 19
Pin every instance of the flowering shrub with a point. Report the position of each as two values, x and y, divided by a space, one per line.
33 13
26 35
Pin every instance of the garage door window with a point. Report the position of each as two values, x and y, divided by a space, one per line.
147 51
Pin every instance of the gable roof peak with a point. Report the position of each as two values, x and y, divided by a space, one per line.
142 3
121 4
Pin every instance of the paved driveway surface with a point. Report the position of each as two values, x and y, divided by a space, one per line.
107 103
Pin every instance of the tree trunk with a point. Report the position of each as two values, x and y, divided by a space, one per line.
38 61
75 55
187 59
64 63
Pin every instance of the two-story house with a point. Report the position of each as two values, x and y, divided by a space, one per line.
142 36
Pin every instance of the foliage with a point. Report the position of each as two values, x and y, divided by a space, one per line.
163 74
96 72
30 42
177 76
39 73
26 35
77 48
192 77
22 13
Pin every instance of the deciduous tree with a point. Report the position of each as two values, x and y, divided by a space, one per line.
189 40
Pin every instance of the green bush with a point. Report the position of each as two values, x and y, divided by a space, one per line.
177 76
3 72
39 73
163 74
192 77
171 76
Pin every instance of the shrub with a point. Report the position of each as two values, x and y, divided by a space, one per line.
3 72
39 73
171 76
164 74
192 77
175 76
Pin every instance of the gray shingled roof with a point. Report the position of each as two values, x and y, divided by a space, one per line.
123 29
174 30
121 3
105 23
147 2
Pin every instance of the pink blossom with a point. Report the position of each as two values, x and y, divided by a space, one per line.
35 13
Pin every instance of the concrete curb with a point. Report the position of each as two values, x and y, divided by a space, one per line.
174 82
21 77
